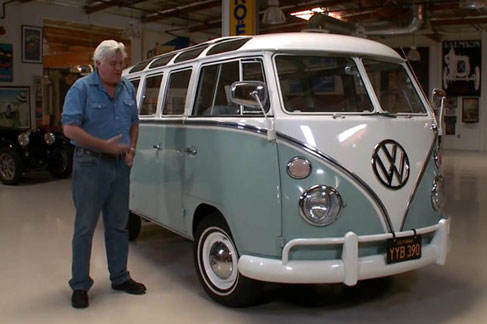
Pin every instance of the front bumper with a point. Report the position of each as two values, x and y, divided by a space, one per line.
350 268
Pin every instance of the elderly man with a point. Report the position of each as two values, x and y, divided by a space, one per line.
100 117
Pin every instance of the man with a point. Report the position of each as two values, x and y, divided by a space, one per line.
100 117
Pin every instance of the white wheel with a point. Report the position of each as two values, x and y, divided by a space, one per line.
216 263
219 258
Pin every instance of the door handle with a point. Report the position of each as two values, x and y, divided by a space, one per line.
157 147
190 150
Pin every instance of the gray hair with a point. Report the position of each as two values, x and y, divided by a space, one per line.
107 49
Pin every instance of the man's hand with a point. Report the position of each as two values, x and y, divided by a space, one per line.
129 156
114 147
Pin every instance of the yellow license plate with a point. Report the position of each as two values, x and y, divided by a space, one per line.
403 249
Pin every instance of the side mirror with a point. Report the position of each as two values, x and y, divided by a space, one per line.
245 92
253 94
438 100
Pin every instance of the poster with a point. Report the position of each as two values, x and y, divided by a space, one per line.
6 63
461 67
470 110
15 107
31 44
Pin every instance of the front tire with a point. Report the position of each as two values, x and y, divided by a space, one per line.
61 161
11 167
216 262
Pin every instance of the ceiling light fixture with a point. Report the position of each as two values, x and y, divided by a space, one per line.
413 54
273 15
307 14
131 31
472 4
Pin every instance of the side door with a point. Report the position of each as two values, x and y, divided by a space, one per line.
144 186
172 138
230 164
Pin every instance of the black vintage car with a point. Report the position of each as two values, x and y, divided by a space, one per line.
27 150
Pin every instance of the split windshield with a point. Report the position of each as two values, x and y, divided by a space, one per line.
393 87
326 84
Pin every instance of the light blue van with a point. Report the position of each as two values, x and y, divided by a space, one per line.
289 158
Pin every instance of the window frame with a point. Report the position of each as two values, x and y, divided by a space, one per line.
165 91
141 100
241 61
360 69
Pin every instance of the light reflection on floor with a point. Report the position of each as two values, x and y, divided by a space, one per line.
35 232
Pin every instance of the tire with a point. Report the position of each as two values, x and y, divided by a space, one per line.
11 166
218 272
133 226
60 163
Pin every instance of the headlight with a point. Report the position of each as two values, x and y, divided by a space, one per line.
320 205
49 138
438 193
23 138
298 168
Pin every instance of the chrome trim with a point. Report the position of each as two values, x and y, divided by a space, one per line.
393 170
299 158
329 190
438 179
418 180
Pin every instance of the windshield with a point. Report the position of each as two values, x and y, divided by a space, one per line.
321 84
393 87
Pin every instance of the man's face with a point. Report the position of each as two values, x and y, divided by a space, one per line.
110 69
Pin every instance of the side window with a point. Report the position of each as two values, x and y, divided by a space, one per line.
151 95
176 93
213 95
135 83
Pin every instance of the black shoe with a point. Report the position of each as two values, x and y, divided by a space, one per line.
130 286
79 299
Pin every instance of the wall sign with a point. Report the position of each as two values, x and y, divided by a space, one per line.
461 67
242 17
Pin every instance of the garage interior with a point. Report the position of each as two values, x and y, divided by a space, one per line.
36 216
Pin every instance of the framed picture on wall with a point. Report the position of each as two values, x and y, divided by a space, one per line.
31 44
6 63
470 110
15 107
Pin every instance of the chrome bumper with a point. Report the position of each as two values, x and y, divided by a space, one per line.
350 268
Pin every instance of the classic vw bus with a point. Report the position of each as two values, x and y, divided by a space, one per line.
289 158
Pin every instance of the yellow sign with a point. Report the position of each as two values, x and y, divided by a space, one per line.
242 17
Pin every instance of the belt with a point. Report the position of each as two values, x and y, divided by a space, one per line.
104 156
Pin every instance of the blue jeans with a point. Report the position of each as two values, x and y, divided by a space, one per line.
99 185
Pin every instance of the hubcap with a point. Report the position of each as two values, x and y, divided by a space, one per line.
7 166
219 258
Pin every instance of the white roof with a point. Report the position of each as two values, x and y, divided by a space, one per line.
319 42
292 42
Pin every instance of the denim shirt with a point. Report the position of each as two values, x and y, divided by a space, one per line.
89 106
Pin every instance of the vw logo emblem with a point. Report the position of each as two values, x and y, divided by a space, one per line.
391 164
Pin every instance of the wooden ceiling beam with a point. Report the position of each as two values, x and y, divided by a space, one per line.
181 10
102 5
458 21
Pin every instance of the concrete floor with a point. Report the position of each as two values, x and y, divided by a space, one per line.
35 236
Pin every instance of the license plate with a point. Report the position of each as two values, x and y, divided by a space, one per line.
403 249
